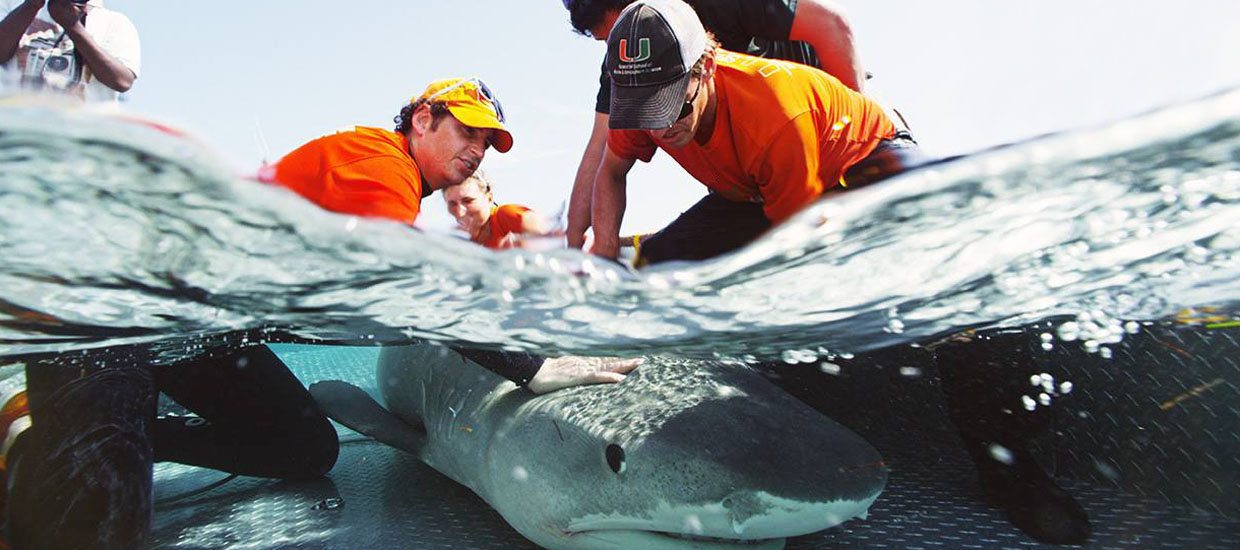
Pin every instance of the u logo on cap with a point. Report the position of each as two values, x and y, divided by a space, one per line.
643 50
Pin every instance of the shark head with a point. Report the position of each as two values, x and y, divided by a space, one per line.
681 455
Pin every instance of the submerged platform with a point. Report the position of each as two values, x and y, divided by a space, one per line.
1149 444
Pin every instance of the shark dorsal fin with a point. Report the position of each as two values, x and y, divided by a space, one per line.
356 409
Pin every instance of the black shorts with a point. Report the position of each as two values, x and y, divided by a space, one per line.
716 225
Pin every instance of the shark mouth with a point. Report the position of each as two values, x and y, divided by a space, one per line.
655 540
764 523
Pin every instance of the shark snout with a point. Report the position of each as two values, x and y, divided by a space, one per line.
795 455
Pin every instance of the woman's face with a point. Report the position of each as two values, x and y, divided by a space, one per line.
469 205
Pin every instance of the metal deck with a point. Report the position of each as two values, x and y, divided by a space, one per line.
1151 470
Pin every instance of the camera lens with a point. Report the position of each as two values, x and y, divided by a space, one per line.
57 64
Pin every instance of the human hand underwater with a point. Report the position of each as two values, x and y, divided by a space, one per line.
565 372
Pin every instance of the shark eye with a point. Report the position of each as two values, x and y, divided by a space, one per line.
615 458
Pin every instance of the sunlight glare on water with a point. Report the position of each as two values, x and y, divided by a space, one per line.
113 231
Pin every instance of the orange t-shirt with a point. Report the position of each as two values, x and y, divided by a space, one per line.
365 172
783 134
505 220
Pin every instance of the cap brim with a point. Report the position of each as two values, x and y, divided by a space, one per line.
647 107
483 118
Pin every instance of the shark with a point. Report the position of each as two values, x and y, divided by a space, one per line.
682 454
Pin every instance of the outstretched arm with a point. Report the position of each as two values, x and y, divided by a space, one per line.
14 26
824 25
609 203
583 185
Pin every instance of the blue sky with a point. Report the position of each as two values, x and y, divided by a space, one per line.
966 73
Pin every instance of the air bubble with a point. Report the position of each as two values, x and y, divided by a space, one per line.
1001 454
519 473
693 525
895 326
1069 332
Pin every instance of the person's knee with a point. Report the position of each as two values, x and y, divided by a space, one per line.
316 446
326 447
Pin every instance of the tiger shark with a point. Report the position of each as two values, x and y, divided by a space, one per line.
680 455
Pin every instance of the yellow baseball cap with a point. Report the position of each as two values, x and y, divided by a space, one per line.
473 104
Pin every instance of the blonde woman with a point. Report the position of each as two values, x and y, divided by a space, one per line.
473 205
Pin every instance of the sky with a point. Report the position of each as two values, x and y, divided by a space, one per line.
966 74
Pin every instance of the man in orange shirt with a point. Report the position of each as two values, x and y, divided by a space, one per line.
441 137
767 137
810 32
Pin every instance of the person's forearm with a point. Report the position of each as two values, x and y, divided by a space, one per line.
824 25
518 367
14 26
607 211
104 67
579 203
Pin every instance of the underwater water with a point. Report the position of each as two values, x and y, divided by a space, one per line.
118 232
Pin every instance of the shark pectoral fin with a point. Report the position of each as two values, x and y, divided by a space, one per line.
353 407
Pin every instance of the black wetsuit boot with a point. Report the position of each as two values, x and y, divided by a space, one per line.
985 379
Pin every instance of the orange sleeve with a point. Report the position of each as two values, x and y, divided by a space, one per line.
788 174
377 187
511 217
631 144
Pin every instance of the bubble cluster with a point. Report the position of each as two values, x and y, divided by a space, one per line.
1045 391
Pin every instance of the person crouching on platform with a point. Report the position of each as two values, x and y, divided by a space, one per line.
767 137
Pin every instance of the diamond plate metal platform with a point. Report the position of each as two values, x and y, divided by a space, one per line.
1153 459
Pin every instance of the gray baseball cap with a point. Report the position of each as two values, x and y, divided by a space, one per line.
650 52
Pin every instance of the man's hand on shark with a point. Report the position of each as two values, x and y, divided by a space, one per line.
565 372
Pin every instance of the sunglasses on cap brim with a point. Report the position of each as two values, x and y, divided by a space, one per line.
485 95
